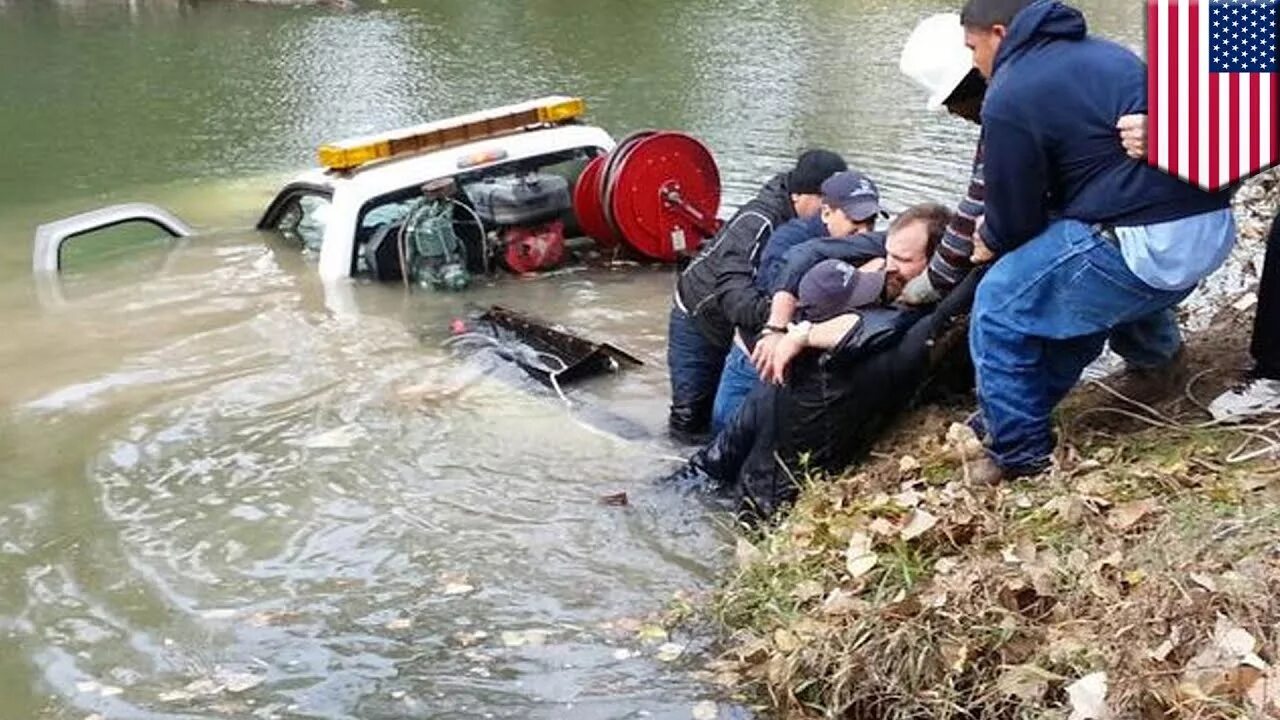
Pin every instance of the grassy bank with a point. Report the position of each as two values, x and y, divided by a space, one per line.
1139 579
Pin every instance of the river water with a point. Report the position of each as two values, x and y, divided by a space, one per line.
229 494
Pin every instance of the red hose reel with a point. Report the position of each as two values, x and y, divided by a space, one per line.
657 193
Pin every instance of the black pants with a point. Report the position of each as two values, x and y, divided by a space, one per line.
1266 324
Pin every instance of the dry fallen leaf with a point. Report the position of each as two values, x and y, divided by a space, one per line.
1025 682
1088 697
1205 582
964 443
618 499
238 682
706 710
908 499
921 522
882 527
454 583
859 559
908 464
808 590
746 554
1126 515
955 654
1246 302
1161 652
1264 695
652 633
1068 509
1254 483
785 641
841 602
537 637
670 652
467 639
1228 665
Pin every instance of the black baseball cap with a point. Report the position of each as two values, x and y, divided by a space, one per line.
812 168
834 287
854 193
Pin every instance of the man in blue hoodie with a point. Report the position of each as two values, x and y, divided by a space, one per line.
1086 238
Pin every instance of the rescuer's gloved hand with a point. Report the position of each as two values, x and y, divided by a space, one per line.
919 291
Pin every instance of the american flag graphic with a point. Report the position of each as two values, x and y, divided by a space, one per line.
1212 89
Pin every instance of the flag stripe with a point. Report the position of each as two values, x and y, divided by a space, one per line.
1201 15
1255 138
1224 129
1232 127
1174 112
1158 108
1182 60
1212 172
1191 16
1272 118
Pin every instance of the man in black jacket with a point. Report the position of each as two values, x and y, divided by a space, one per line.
716 290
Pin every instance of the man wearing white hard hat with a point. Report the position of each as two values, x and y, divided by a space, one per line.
936 58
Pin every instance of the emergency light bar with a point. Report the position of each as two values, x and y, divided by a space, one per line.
352 153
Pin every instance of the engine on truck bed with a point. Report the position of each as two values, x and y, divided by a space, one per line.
534 186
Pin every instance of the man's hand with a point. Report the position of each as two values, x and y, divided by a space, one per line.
919 291
981 253
1133 135
784 351
762 354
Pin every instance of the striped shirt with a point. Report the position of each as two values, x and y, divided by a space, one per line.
950 262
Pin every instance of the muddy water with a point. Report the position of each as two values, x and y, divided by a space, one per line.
231 492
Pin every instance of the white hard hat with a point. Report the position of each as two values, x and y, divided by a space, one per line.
936 58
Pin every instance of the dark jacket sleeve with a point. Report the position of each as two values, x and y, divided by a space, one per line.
739 299
1016 174
878 329
801 258
774 257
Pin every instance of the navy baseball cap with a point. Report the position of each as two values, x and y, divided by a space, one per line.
854 193
834 287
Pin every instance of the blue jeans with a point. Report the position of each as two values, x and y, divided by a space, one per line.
694 365
1042 313
1148 342
736 382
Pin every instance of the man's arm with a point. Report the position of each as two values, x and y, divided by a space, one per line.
1016 175
739 299
773 259
822 336
800 259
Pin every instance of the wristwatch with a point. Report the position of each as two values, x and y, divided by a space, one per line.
773 330
800 331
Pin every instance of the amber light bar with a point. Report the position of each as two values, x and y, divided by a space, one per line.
355 152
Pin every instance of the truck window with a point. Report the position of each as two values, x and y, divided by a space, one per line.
304 220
